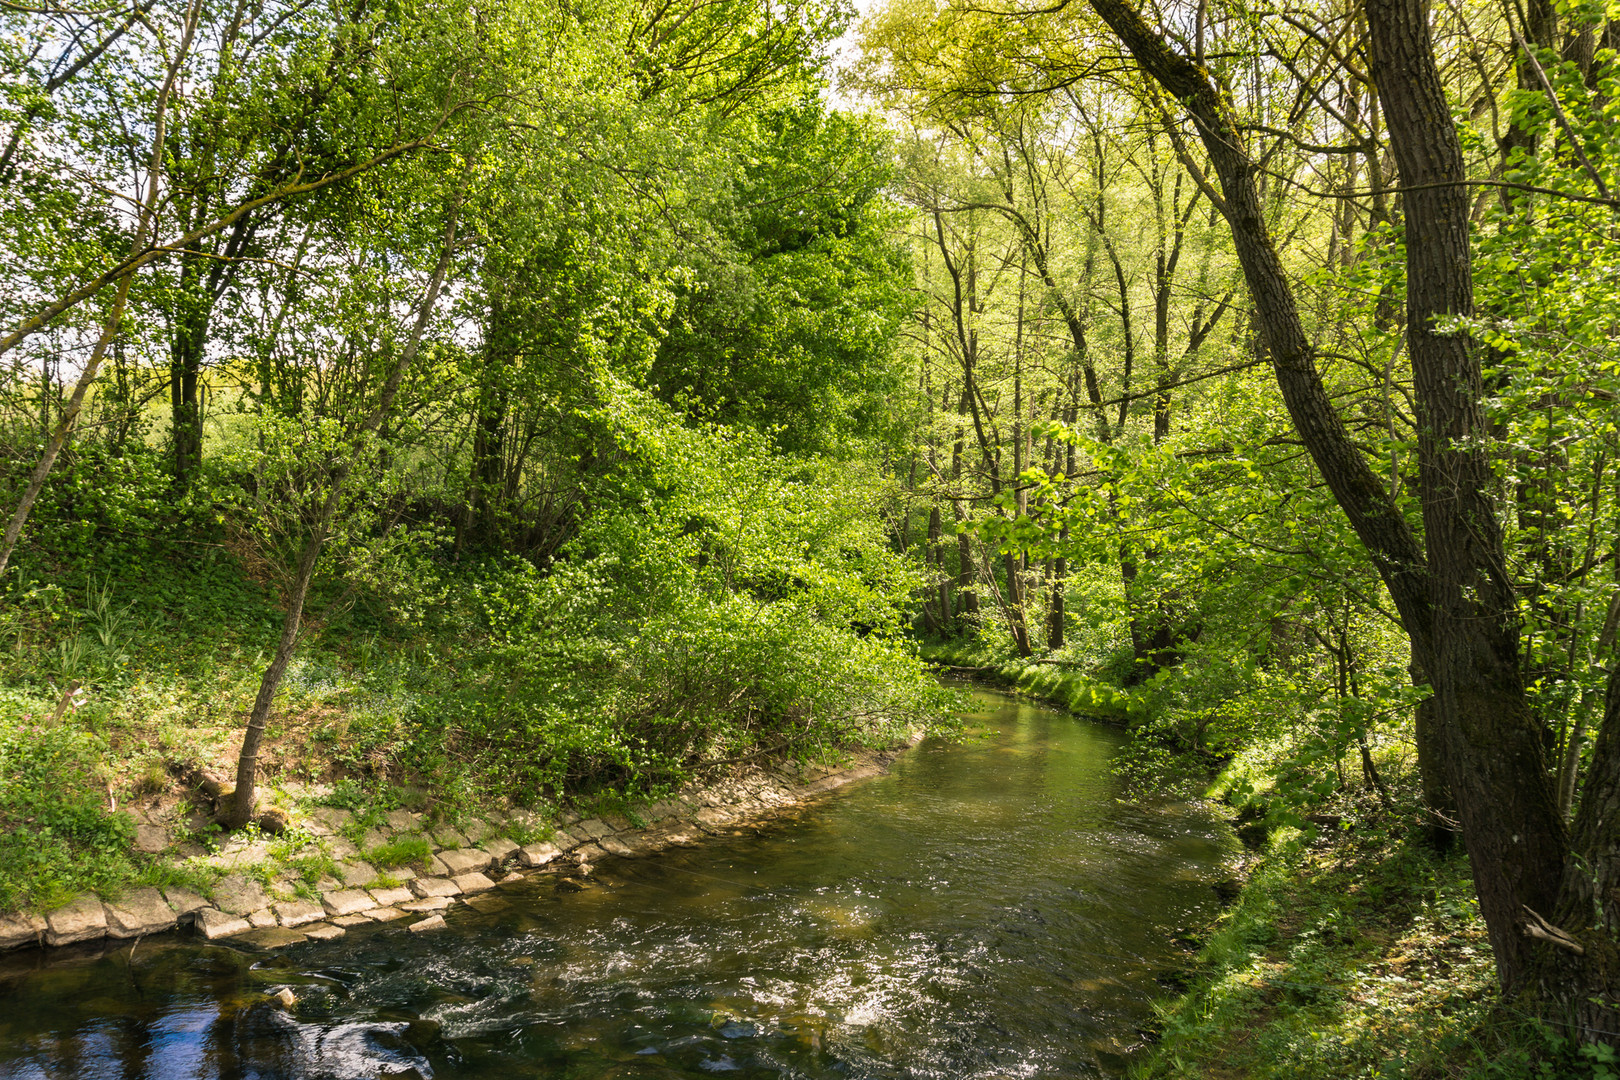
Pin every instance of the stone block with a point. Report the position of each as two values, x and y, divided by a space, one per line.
478 830
373 838
262 918
241 856
347 902
139 912
673 833
356 874
325 932
83 920
466 860
509 878
339 848
213 923
284 886
389 897
499 847
273 937
401 820
623 847
19 930
435 886
237 895
385 914
593 828
448 837
713 817
347 921
427 903
184 902
299 912
473 883
538 854
525 819
151 839
432 922
331 817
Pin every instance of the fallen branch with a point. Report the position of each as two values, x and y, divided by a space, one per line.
1537 927
69 700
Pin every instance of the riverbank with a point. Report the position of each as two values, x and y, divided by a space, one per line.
332 869
1054 682
1349 948
461 690
985 908
1353 951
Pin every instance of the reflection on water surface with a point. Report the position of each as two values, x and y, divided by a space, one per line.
988 910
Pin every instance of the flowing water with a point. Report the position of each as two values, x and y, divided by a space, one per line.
989 909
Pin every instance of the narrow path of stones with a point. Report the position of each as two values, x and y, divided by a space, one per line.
464 863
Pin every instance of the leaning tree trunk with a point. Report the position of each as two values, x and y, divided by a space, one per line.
247 761
59 435
1458 612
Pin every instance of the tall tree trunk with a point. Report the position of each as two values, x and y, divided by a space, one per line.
190 338
1491 741
967 574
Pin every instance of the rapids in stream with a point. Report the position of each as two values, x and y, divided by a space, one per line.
989 909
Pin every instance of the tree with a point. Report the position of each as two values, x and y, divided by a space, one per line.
1454 594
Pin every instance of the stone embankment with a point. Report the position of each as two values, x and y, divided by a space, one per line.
260 899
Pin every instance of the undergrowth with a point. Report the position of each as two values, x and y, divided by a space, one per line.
1358 953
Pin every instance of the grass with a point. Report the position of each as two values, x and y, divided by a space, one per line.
310 869
58 836
402 851
1360 954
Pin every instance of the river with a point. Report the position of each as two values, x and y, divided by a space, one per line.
989 909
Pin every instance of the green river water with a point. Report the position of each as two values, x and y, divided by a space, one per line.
988 909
